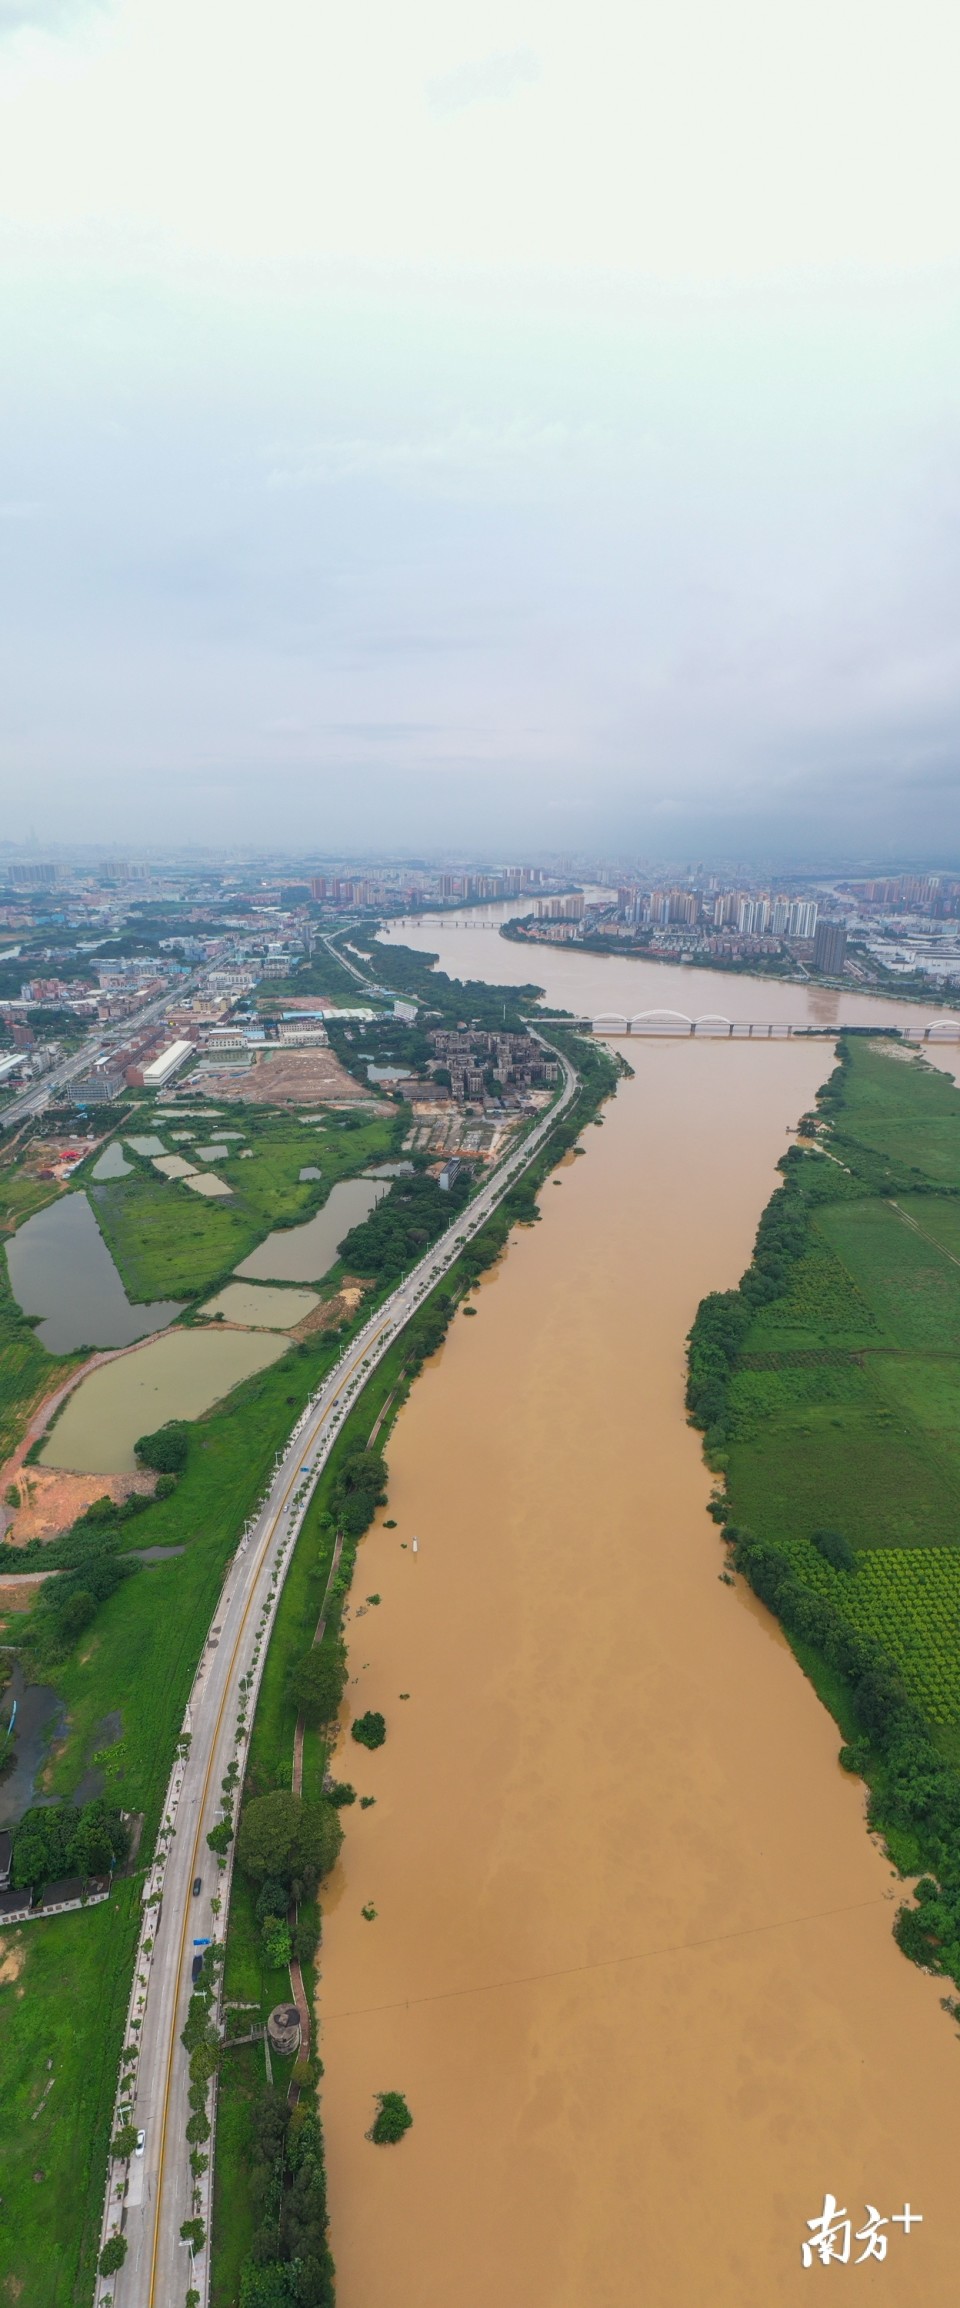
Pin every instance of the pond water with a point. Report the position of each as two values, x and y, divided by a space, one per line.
113 1162
60 1268
38 1711
256 1303
174 1377
305 1253
147 1146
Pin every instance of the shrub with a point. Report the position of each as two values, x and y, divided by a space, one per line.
284 1839
113 2255
275 1939
273 1899
306 1938
392 2119
220 1836
370 1730
125 2141
835 1549
317 1682
166 1450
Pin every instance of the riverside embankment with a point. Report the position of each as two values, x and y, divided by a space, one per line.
632 1960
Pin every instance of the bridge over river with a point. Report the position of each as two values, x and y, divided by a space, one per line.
716 1028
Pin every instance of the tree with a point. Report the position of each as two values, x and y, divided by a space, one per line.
220 1836
287 1840
273 1899
166 1450
369 1730
113 2255
392 2119
317 1682
835 1549
193 2232
124 2141
275 1939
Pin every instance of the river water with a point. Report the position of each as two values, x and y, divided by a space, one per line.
632 1961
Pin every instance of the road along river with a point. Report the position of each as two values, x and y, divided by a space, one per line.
632 1961
155 2095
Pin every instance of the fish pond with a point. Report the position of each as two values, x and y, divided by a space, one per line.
305 1253
60 1268
179 1376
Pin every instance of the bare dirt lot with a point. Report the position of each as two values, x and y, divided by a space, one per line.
291 1078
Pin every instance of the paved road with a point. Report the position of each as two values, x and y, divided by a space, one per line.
156 2273
96 1045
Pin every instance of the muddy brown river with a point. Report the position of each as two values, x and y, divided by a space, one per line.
631 1962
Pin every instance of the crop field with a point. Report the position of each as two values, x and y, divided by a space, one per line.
822 1306
909 1598
844 1403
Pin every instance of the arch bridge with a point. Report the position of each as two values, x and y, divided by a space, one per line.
714 1026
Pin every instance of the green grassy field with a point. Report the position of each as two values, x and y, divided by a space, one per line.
139 1659
169 1243
907 1113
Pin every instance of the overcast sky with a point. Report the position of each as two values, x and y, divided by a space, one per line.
500 425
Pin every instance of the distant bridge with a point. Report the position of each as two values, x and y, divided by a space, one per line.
714 1027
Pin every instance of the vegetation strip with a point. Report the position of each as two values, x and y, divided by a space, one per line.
827 1387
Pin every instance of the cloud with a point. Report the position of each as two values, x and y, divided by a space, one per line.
492 80
44 15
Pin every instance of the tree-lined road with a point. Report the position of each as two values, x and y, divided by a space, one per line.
160 2196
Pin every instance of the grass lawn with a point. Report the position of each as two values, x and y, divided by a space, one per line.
906 1111
912 1290
67 2007
860 1471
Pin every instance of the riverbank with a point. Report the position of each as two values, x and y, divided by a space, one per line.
776 970
247 2094
631 1963
828 1389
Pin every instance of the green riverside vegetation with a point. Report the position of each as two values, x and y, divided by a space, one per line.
827 1387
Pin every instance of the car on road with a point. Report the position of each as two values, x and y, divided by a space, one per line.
196 1886
141 2136
196 1968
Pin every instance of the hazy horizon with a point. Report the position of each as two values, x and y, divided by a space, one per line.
497 430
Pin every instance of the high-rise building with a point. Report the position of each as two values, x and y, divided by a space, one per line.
745 917
829 948
318 886
761 916
803 918
780 918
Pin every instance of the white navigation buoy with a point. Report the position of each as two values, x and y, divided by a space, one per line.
416 1544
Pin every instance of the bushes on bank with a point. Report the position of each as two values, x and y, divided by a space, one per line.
286 1840
317 1682
166 1451
58 1840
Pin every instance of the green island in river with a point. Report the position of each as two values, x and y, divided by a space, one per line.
827 1387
